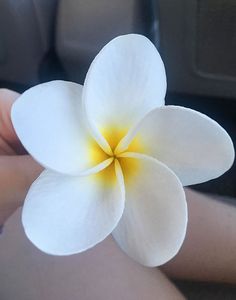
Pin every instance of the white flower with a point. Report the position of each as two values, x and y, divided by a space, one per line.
116 158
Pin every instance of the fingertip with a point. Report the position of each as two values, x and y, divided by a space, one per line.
7 98
7 95
7 132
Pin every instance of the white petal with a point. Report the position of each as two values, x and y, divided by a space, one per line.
191 144
64 215
153 225
124 82
48 120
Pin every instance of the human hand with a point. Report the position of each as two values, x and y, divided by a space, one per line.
17 169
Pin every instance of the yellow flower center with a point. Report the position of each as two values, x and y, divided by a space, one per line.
129 166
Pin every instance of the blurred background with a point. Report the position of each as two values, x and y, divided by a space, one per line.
43 40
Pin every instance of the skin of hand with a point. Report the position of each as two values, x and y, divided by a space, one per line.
17 169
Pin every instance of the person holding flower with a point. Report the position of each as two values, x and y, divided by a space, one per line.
127 158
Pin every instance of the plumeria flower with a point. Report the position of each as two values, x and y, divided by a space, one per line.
116 158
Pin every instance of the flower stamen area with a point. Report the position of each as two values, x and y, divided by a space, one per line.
128 165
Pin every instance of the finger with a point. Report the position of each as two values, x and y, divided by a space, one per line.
16 175
7 98
7 132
